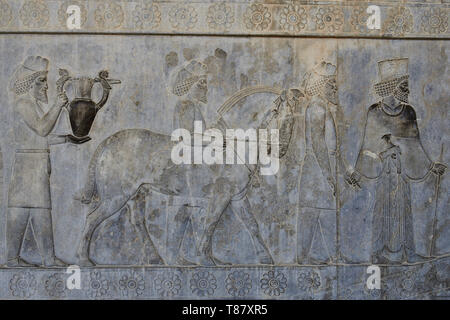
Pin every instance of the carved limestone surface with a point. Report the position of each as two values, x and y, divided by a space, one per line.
218 166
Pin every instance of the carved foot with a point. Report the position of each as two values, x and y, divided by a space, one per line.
18 263
265 258
55 262
413 257
379 259
155 261
206 261
340 258
312 261
219 262
180 261
84 261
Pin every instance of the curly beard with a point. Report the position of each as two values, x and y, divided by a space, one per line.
401 95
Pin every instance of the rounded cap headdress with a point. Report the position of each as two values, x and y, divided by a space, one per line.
188 76
320 75
27 72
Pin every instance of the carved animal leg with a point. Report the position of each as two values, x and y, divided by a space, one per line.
93 220
179 231
243 210
216 207
137 213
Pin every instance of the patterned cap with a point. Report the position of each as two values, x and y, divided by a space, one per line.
314 82
25 74
188 76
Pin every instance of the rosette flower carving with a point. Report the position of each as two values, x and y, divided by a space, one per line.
34 13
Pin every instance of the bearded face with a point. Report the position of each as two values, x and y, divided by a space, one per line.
330 91
39 89
401 92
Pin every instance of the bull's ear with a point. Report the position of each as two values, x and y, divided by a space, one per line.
297 93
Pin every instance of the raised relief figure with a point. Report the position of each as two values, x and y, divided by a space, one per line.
29 203
190 84
135 158
392 155
318 174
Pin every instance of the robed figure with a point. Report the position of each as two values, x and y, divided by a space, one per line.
29 201
392 155
317 200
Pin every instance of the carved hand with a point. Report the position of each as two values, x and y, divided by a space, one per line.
393 152
62 100
353 177
332 182
438 168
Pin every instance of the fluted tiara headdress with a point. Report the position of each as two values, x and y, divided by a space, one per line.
391 73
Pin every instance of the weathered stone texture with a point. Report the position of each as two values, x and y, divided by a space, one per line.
88 177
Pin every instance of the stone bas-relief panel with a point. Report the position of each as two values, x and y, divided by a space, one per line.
89 177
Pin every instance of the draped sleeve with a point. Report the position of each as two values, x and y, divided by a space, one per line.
415 160
368 163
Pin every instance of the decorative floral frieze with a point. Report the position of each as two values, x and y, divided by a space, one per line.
274 283
5 13
257 17
109 15
329 19
132 284
98 285
420 281
293 18
220 16
23 285
435 21
203 283
34 14
238 283
183 17
146 15
168 284
237 18
399 22
309 281
55 285
358 19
